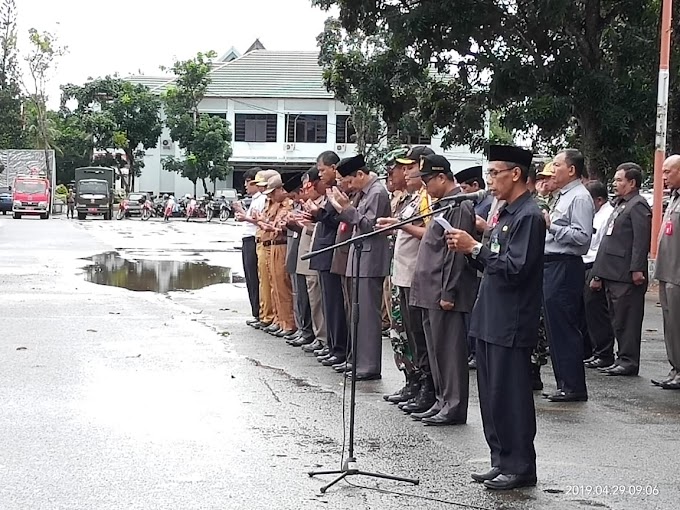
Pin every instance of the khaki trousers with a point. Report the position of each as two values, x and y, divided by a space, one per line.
282 290
316 304
266 305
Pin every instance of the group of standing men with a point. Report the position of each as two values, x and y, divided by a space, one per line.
467 285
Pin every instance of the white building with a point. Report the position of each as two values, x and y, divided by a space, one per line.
281 116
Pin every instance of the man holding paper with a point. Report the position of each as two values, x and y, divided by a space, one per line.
505 320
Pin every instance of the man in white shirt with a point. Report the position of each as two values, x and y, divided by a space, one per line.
599 326
249 249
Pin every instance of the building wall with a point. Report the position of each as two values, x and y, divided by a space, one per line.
280 155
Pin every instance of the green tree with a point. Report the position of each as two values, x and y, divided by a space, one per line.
11 126
75 149
205 139
378 84
118 115
569 73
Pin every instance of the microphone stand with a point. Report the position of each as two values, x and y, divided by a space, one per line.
350 467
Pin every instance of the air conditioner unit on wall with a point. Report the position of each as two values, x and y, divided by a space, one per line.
340 147
288 147
167 145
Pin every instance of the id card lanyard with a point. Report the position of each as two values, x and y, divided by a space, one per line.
668 224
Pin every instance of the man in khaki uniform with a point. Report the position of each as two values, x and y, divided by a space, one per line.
267 319
273 225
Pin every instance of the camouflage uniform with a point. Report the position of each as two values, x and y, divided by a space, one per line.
403 357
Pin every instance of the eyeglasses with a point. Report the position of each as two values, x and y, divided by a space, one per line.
494 173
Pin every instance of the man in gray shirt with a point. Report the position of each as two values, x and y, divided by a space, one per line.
570 228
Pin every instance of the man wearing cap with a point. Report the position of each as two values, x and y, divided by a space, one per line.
471 180
331 283
444 285
546 187
373 203
274 241
408 336
505 320
255 214
301 307
249 247
570 230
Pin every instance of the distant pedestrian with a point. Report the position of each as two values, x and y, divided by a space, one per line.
70 204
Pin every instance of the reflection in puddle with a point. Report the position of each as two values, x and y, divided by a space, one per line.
154 275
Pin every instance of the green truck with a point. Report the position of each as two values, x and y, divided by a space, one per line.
94 192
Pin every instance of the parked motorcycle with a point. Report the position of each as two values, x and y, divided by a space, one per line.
225 210
169 208
197 208
123 208
148 210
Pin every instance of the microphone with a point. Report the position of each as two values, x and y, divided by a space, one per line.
476 197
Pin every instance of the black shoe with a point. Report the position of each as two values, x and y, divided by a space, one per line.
439 419
548 394
598 363
363 377
315 345
425 398
294 336
285 333
322 358
620 370
343 368
262 325
271 328
607 368
324 351
589 360
427 414
252 322
507 482
489 475
333 360
407 392
671 385
562 396
303 341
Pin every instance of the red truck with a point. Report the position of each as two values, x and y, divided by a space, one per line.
31 194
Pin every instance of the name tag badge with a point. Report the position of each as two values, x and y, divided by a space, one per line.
610 228
668 228
495 246
295 235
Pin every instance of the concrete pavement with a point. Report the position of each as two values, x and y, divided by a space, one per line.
126 399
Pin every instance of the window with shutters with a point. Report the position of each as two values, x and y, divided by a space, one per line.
344 129
254 127
415 139
306 128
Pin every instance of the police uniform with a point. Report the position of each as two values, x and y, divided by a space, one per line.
505 322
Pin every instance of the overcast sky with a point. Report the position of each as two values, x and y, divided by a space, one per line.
128 36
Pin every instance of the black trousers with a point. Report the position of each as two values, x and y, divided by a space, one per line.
302 306
563 282
249 256
413 318
507 405
627 310
598 321
334 312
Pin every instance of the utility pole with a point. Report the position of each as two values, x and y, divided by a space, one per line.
661 122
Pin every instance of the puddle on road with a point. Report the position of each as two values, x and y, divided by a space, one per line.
155 275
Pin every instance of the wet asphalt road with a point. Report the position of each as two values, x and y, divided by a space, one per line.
113 399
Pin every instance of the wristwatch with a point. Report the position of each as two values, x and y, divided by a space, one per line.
476 250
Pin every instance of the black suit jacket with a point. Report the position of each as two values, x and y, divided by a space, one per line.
626 249
328 220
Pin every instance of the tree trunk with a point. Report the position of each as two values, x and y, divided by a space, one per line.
596 164
205 186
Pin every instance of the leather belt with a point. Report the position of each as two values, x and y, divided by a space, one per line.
273 243
560 257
